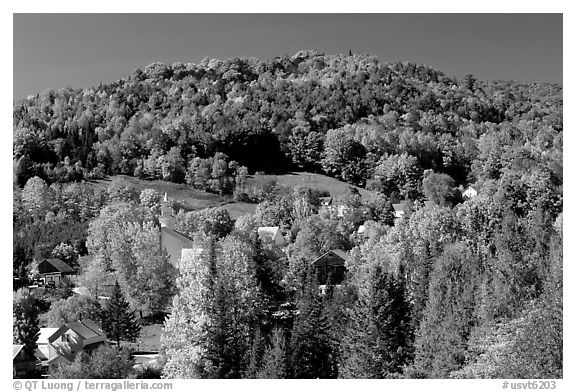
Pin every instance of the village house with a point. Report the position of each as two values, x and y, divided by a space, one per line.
326 200
402 210
469 193
332 263
61 345
333 209
55 270
271 235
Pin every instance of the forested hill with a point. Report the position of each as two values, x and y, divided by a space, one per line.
351 116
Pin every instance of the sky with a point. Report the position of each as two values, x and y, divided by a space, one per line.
82 50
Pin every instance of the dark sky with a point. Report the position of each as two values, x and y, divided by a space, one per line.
81 50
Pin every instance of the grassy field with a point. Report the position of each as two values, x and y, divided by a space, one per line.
321 182
193 199
149 340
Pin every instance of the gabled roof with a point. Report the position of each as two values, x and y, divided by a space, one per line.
94 327
86 329
54 265
471 189
326 200
334 256
268 230
341 254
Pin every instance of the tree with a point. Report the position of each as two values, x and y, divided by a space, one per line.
183 339
469 82
210 221
35 197
125 240
74 308
311 349
105 362
149 282
398 175
118 321
440 189
208 334
343 156
151 198
274 359
66 253
95 274
380 209
449 316
121 190
378 339
25 327
23 170
172 166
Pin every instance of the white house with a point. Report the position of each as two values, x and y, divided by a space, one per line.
470 193
403 209
271 235
61 345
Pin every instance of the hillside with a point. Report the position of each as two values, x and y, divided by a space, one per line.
195 199
337 115
316 181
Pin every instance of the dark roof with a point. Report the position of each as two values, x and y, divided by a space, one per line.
85 329
326 200
333 257
93 326
54 265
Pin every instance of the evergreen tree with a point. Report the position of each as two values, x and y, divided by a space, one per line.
118 321
312 354
442 340
379 337
274 359
25 326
